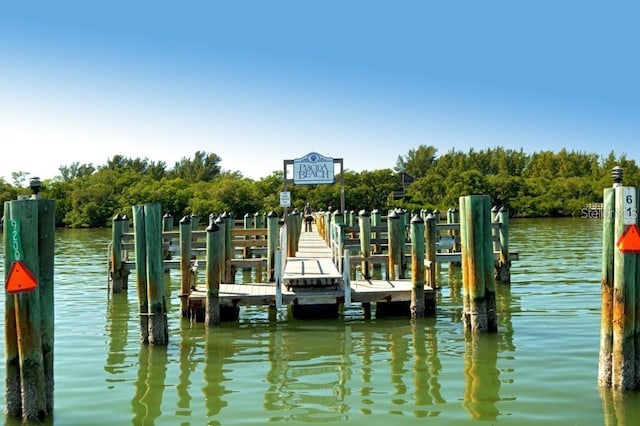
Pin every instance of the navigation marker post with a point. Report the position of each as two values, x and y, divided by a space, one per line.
619 360
29 241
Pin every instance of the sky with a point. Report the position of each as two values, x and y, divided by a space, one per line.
260 82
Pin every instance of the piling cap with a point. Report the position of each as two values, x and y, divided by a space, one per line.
616 174
417 219
34 184
185 219
213 227
363 213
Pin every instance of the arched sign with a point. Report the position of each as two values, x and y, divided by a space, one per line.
313 168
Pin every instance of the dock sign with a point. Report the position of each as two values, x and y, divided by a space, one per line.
313 168
285 199
629 241
630 213
20 279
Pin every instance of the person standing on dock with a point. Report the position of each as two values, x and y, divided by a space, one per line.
308 218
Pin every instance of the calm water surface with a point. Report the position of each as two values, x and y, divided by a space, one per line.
541 367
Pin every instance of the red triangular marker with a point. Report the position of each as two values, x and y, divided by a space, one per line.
629 241
20 279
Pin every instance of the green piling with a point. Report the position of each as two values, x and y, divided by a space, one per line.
396 240
624 309
141 271
29 312
606 286
364 223
416 307
273 239
185 264
158 331
213 274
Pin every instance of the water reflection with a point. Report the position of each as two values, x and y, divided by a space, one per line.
620 408
482 383
150 384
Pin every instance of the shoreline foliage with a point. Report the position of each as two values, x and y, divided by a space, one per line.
538 184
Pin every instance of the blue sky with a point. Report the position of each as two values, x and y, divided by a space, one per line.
258 82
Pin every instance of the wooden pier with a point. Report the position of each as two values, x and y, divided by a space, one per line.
345 260
310 278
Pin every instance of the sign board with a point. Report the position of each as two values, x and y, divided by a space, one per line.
20 279
285 199
630 205
313 168
629 241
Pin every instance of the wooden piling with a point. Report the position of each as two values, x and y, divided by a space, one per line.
364 223
624 277
489 265
141 271
273 238
226 270
28 237
396 240
479 288
213 274
504 263
117 271
606 286
158 327
185 265
167 226
416 308
46 257
430 238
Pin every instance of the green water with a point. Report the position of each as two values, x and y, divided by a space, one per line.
541 367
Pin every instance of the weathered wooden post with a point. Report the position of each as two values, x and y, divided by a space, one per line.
620 368
416 308
195 222
273 238
227 271
503 274
167 226
29 313
364 223
376 220
185 265
213 273
141 271
396 241
477 264
454 217
158 326
248 224
606 321
118 272
430 238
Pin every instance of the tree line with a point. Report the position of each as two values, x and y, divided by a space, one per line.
538 184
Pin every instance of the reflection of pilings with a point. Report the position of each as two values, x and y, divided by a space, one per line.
482 390
505 311
187 350
620 408
218 347
152 372
399 349
117 330
277 365
426 366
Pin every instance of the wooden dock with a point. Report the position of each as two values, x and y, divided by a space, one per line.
309 278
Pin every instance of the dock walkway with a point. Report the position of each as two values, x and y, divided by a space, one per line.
309 278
